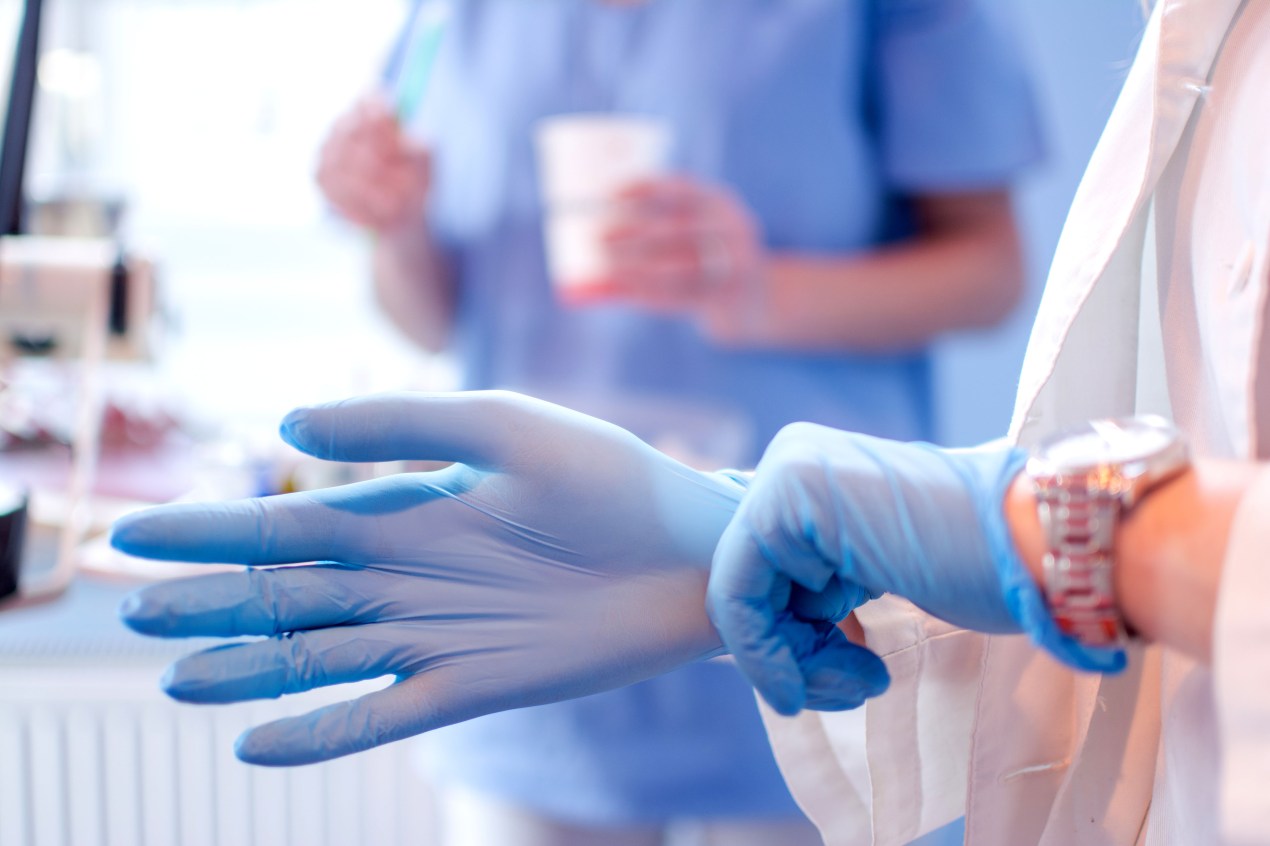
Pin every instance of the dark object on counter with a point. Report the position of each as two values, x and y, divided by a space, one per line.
13 512
17 120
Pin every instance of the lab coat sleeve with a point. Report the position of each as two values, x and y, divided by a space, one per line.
1241 665
901 770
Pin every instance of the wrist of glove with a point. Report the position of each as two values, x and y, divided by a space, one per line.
831 519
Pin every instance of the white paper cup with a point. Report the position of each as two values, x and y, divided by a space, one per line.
583 161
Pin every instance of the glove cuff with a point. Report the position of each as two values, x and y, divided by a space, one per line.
1023 596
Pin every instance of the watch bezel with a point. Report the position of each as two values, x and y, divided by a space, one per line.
1125 480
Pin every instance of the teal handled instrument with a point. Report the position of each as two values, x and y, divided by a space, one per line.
423 43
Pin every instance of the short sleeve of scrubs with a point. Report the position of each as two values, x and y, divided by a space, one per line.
949 96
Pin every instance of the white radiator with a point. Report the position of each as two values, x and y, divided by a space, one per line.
98 757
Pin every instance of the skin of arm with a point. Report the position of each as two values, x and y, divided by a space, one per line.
1169 551
379 178
413 284
681 246
963 269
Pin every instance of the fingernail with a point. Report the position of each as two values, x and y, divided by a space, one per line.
785 702
292 427
122 533
262 752
857 683
186 688
169 684
243 748
133 607
873 682
130 606
135 534
133 610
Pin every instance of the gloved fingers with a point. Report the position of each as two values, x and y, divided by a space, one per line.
840 675
394 713
292 663
838 599
476 428
740 603
287 529
766 536
321 525
259 602
780 517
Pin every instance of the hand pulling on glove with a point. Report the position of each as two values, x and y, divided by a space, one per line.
830 515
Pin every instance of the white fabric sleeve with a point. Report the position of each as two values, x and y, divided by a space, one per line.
901 770
1241 668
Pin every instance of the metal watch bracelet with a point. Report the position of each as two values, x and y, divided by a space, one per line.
1079 521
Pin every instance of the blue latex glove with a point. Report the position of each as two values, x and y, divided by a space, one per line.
561 557
830 514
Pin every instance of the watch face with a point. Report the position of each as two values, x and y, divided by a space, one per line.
1118 441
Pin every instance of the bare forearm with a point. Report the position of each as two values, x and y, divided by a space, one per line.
963 273
1169 552
414 286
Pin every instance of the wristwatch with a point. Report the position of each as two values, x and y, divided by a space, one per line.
1085 480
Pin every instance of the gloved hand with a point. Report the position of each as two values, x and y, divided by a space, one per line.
560 557
830 514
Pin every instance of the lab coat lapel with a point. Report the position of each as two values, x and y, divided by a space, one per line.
1089 309
1081 363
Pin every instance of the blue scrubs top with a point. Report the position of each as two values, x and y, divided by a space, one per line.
821 115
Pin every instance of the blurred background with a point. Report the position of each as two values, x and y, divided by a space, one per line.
201 121
205 117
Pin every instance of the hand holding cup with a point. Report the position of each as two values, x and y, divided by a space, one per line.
682 246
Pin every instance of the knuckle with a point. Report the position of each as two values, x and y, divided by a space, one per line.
266 528
795 446
793 434
719 607
374 724
261 586
502 403
303 669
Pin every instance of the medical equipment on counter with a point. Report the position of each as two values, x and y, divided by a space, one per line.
76 299
17 118
63 296
13 511
81 300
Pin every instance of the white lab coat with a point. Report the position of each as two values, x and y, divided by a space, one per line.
1171 229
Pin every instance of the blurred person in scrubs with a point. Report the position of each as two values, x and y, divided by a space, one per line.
839 198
